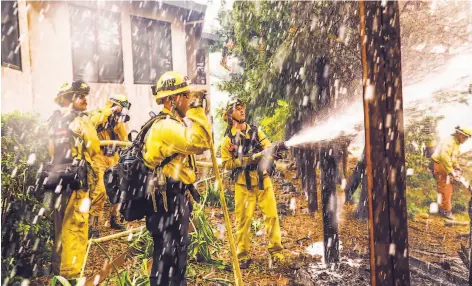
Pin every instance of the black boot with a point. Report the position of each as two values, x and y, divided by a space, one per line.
93 231
244 264
114 223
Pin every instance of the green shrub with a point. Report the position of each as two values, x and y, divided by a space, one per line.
202 239
26 236
213 198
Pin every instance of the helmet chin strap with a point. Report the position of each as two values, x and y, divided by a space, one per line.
174 108
239 121
231 118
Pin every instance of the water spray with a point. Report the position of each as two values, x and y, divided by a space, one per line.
274 149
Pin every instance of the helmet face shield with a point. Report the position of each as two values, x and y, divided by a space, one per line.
123 104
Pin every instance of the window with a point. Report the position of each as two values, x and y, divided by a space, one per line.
201 65
11 53
96 45
152 49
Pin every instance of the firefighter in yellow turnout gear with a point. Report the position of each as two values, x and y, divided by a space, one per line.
252 182
446 167
73 143
110 125
170 146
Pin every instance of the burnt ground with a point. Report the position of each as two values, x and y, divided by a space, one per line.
431 242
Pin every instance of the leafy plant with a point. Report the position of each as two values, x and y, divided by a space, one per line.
137 276
256 225
26 236
280 44
62 281
274 126
213 198
202 239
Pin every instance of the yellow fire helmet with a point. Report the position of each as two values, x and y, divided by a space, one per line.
120 99
232 103
69 90
171 83
464 130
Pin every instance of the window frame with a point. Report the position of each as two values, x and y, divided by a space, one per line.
20 58
97 13
133 18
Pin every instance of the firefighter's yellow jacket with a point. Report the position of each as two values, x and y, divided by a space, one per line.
170 136
447 153
230 163
84 131
99 118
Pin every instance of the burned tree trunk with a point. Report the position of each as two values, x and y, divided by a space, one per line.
385 154
362 210
307 163
329 205
310 181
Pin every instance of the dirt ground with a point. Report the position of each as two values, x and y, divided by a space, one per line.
430 240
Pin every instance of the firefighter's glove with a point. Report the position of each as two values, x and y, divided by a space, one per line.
276 156
116 109
277 150
198 97
279 147
195 194
251 160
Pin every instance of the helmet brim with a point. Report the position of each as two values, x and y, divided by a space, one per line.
166 93
463 133
60 97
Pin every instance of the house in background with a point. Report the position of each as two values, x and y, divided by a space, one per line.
117 47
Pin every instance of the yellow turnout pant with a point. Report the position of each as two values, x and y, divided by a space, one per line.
71 231
245 201
98 196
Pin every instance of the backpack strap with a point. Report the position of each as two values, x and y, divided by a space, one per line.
252 144
58 118
144 130
167 160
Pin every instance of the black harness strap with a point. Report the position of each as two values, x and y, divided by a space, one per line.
249 145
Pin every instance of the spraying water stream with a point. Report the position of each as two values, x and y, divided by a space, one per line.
419 98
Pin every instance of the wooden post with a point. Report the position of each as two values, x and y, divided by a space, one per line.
385 154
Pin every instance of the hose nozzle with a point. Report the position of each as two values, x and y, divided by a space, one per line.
281 146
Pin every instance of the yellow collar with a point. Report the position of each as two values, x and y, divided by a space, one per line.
234 130
168 112
456 140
